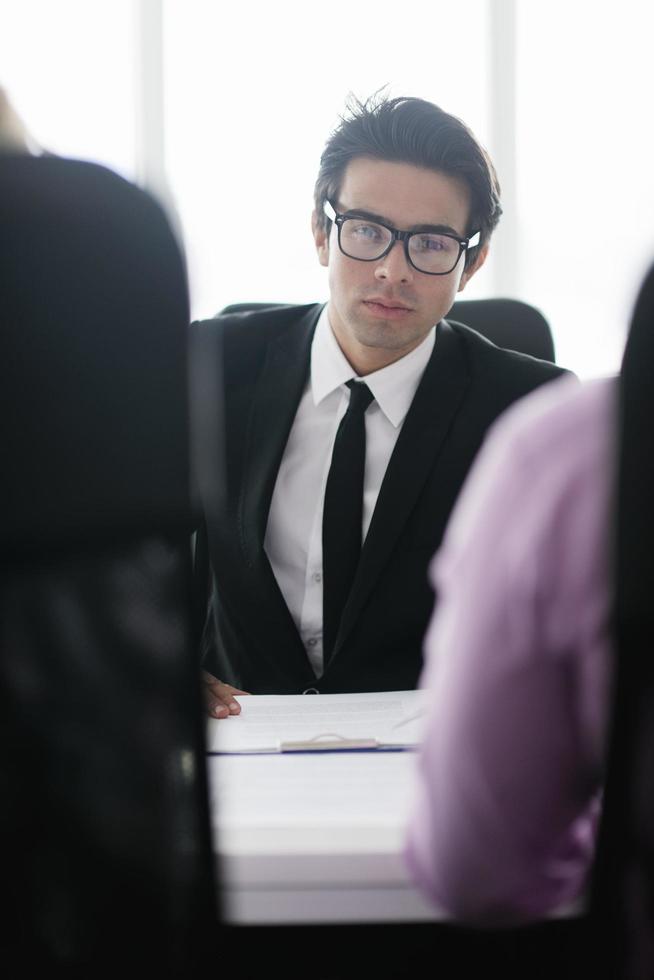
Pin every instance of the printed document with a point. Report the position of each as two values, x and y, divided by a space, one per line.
320 722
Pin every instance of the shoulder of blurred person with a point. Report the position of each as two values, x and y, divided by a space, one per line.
517 665
14 135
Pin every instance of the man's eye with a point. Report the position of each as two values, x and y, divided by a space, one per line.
434 243
365 231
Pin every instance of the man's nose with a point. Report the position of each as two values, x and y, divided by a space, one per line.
394 266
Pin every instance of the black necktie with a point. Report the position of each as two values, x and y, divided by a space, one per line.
343 513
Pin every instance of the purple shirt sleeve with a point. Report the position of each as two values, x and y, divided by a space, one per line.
517 662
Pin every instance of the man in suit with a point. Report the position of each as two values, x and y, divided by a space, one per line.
405 204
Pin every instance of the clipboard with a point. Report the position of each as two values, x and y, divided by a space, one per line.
331 742
284 724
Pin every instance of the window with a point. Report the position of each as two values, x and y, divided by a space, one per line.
241 97
68 68
252 91
585 195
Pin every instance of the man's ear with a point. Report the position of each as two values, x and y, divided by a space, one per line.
321 238
476 265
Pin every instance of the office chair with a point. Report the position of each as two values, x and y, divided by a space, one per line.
106 852
506 322
622 905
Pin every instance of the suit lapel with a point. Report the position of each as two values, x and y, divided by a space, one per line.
277 394
437 400
280 386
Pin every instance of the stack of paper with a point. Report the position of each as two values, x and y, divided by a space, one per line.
320 722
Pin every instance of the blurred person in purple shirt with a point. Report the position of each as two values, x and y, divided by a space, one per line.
518 660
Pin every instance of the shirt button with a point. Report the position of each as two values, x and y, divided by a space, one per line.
312 642
317 576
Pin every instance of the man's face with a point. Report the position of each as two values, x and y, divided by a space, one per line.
381 310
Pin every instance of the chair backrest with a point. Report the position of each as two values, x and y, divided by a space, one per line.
508 323
106 851
623 887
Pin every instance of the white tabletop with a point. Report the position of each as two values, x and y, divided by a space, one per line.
314 837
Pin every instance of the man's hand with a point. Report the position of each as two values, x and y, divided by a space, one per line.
220 697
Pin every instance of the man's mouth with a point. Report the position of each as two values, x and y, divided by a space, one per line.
386 307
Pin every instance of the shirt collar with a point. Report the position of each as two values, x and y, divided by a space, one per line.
393 387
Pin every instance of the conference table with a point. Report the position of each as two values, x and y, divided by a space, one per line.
309 852
314 837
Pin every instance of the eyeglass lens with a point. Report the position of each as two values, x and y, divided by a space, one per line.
429 252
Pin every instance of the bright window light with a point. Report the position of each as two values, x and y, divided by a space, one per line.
584 171
252 92
68 68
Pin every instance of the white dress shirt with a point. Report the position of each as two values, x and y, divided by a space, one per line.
293 541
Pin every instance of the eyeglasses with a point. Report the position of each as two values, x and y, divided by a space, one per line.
362 238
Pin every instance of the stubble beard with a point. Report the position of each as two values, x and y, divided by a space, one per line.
380 335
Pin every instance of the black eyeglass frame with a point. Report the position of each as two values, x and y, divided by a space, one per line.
397 236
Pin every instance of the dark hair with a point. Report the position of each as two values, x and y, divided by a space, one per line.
414 131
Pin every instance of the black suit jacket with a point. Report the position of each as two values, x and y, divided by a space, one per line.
250 638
